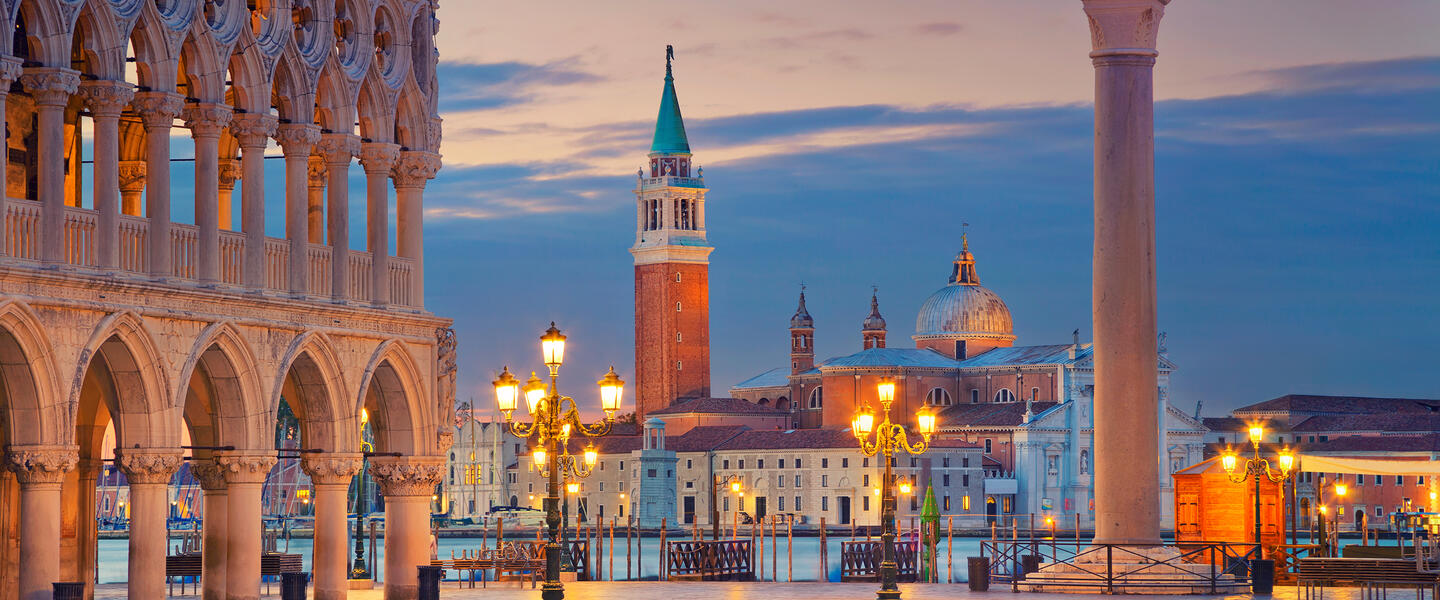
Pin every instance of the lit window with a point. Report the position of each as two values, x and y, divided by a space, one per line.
677 277
817 397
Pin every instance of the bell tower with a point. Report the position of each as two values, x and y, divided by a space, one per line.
802 339
672 260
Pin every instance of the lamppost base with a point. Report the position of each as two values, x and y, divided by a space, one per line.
362 584
552 591
888 595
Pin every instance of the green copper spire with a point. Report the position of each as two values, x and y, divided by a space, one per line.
669 126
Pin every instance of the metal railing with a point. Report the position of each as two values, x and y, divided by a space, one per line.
1111 568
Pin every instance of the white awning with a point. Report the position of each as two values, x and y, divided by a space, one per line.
1310 463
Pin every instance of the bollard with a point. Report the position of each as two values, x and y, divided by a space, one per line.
1262 576
292 585
68 590
1029 563
979 573
429 588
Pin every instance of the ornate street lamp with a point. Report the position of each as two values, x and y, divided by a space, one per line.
885 439
1256 468
734 481
360 569
555 419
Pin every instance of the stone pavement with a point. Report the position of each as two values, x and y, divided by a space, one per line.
622 590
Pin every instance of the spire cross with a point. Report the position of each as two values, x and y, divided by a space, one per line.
669 56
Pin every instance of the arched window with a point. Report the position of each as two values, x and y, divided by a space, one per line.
938 397
1004 395
817 397
1034 394
677 307
974 396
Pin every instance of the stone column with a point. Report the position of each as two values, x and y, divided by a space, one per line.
338 149
51 88
132 187
106 99
1127 469
158 111
207 121
86 535
229 174
296 140
41 471
253 131
213 551
329 561
411 173
9 71
315 212
148 471
378 158
407 483
244 474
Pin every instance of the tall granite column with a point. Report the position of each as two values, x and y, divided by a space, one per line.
148 471
378 158
331 474
407 483
41 471
207 121
296 140
253 131
1127 468
244 474
411 173
106 99
158 110
212 551
338 149
51 88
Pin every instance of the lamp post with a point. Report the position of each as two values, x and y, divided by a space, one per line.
555 419
1256 468
734 481
885 439
1340 490
360 570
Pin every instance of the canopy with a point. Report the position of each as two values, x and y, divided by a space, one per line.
1418 465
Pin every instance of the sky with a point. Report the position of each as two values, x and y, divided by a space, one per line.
844 143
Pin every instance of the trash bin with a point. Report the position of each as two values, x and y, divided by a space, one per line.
1029 563
430 582
292 585
1262 576
68 590
979 573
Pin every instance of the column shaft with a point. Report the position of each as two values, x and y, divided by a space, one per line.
39 539
228 177
410 237
214 550
158 110
315 209
242 547
378 159
297 141
9 71
408 546
149 510
206 121
253 131
107 187
330 561
51 88
86 530
337 205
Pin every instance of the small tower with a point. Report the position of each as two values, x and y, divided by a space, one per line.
872 332
655 494
802 338
672 261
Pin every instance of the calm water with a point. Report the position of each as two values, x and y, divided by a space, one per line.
114 556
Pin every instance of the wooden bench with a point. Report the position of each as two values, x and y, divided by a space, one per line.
189 567
1373 575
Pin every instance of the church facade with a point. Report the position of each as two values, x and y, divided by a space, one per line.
1030 408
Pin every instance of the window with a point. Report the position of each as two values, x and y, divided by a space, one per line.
650 472
689 464
679 365
602 513
945 481
602 486
946 503
824 481
866 481
1034 394
797 504
1007 504
817 397
912 462
844 463
727 504
965 503
914 502
782 463
622 465
677 307
622 511
824 463
938 397
780 482
797 463
1399 480
824 503
531 488
677 277
988 447
865 462
1419 480
1379 511
960 350
622 486
1004 395
678 337
725 463
602 465
760 463
965 480
974 396
945 461
1323 438
782 501
669 473
865 502
1359 480
742 464
1379 480
689 485
797 481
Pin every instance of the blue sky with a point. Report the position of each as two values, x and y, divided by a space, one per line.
1298 194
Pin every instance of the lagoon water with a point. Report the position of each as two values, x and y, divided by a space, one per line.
114 553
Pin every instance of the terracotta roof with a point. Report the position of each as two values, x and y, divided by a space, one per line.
1389 422
1376 443
990 414
1239 426
716 406
701 439
1342 405
791 438
953 443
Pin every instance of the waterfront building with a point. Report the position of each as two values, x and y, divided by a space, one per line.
180 340
475 479
1030 408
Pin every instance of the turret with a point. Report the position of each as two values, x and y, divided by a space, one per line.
872 332
802 338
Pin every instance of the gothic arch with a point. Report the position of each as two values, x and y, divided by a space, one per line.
203 61
101 37
250 77
311 380
335 99
393 393
143 410
221 372
376 107
48 25
29 379
157 50
412 118
292 93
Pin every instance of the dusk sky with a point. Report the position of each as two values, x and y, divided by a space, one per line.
1297 177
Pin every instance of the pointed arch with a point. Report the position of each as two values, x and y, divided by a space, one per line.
393 392
250 72
312 382
29 379
412 118
375 107
335 99
102 38
203 62
221 375
292 92
144 411
157 50
48 25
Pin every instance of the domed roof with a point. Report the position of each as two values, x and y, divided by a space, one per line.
874 322
801 319
964 308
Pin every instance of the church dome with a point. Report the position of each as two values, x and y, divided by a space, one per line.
964 309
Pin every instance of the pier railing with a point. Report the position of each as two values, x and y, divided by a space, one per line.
723 560
1112 568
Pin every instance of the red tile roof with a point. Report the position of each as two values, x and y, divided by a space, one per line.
1304 403
729 406
1376 443
1389 422
989 414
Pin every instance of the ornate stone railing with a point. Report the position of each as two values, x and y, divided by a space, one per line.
81 248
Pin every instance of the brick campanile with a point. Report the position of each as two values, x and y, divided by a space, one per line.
672 262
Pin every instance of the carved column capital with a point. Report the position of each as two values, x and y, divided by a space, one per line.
10 70
158 109
106 98
41 464
331 469
1124 27
149 465
208 474
378 157
253 130
50 86
407 475
207 119
240 467
316 171
229 173
296 139
415 168
132 175
338 148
